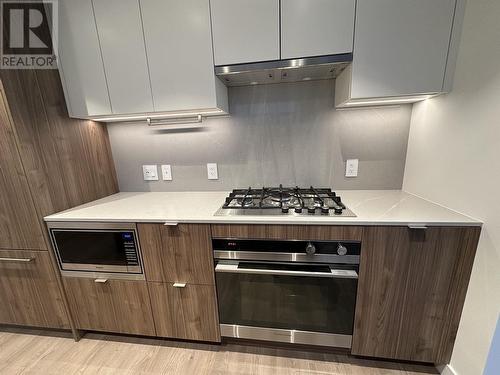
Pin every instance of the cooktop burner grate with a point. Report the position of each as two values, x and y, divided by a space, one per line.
283 200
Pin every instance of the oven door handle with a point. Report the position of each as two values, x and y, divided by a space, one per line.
334 273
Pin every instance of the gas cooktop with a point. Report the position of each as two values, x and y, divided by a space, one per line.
284 201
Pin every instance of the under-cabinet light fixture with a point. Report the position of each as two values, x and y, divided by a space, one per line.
385 102
172 121
158 115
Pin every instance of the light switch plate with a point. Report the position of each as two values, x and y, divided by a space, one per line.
166 172
150 172
212 171
351 167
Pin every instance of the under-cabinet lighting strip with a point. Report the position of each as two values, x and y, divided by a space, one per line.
388 101
177 120
139 117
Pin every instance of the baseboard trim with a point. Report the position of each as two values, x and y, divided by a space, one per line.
447 370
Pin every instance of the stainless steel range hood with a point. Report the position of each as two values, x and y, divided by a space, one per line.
279 71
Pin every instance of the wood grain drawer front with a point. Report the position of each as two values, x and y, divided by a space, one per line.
188 313
114 306
412 286
29 294
181 253
289 232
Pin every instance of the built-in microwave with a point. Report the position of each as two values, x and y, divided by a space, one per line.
87 249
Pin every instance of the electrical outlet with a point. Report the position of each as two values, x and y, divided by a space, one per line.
166 172
351 167
212 171
150 172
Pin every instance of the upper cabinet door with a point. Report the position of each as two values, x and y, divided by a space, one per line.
80 62
179 49
245 31
119 27
316 27
400 47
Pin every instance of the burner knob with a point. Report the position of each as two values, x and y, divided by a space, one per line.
310 249
285 209
298 210
337 210
325 209
341 249
311 209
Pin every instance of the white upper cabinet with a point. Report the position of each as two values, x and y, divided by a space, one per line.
245 31
400 47
119 27
79 60
316 27
179 49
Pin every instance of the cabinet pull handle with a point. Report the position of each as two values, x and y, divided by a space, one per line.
195 119
417 226
171 223
17 260
179 285
101 281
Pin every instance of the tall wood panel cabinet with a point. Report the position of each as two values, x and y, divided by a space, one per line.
48 163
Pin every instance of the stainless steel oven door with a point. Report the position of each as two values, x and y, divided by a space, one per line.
287 302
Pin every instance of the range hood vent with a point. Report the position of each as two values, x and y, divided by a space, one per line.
280 71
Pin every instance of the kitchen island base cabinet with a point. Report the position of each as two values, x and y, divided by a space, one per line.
29 294
113 306
411 291
188 312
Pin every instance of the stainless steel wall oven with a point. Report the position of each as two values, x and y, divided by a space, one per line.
289 291
94 249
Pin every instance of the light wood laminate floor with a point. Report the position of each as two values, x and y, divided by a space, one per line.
42 352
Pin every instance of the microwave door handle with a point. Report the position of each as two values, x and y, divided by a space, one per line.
334 273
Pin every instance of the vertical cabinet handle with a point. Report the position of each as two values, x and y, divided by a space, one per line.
101 281
17 260
179 285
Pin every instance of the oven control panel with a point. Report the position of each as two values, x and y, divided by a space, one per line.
288 250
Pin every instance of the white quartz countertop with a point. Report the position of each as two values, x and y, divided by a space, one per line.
372 207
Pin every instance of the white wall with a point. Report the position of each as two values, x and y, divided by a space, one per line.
454 159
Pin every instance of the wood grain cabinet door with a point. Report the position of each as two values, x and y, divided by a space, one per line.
188 312
29 294
19 225
411 291
181 253
113 306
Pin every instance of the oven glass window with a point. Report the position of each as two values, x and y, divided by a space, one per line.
306 303
109 248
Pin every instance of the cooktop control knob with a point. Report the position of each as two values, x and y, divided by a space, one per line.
341 249
337 210
284 209
310 249
298 210
311 209
325 209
